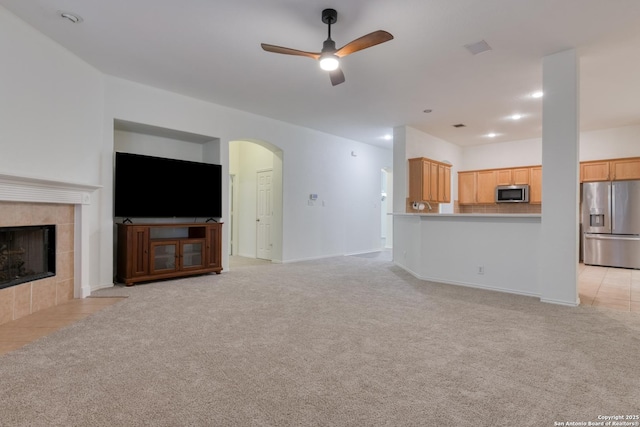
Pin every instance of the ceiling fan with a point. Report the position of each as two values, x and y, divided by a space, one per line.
329 56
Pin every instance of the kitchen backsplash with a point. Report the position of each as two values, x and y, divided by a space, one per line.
502 208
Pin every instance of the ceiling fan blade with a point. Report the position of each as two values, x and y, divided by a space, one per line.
364 42
337 76
288 51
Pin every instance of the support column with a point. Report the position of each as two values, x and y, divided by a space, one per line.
399 183
399 168
558 268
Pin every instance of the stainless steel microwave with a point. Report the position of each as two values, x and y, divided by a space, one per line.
512 194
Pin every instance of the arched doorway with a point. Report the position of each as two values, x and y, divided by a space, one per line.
255 200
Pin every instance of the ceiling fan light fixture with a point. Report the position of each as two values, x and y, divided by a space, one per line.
329 62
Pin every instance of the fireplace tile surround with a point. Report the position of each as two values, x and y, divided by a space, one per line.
36 201
27 298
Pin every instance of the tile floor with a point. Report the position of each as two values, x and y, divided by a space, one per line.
18 333
616 288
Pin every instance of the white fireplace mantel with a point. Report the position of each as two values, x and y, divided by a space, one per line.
14 188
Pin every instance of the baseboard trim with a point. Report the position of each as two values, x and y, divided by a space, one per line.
364 252
311 258
560 302
468 285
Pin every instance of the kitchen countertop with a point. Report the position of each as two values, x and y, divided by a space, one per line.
471 215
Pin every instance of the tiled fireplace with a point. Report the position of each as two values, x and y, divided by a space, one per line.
36 202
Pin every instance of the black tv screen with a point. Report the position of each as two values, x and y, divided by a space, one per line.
155 187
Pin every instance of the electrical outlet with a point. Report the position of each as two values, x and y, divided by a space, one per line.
481 269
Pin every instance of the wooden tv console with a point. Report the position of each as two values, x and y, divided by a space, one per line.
149 252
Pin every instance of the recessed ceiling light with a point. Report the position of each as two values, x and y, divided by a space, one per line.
492 135
516 117
537 94
387 137
72 17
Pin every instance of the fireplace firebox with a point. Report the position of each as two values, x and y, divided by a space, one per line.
27 254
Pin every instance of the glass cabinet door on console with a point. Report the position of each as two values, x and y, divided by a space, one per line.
192 254
164 256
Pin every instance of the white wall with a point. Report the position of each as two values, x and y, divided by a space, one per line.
151 145
362 203
610 143
50 107
526 152
594 145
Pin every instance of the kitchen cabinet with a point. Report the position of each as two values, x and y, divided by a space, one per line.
429 181
486 186
610 170
535 185
521 176
517 176
504 177
444 184
466 188
419 180
623 169
594 171
479 187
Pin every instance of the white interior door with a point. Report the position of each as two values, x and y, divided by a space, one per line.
264 214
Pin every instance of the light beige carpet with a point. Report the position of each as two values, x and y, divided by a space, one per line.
348 341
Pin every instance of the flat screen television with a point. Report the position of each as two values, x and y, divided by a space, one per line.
156 187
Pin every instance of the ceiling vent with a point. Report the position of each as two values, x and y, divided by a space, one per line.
459 125
478 47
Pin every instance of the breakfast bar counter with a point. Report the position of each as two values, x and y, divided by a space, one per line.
491 251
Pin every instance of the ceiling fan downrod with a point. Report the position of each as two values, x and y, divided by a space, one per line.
329 16
328 60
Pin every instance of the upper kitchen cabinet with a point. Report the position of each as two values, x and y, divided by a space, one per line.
419 180
429 181
479 187
535 185
625 169
466 188
517 176
594 171
486 186
610 170
444 184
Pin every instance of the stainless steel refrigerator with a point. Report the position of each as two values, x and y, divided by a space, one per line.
611 223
